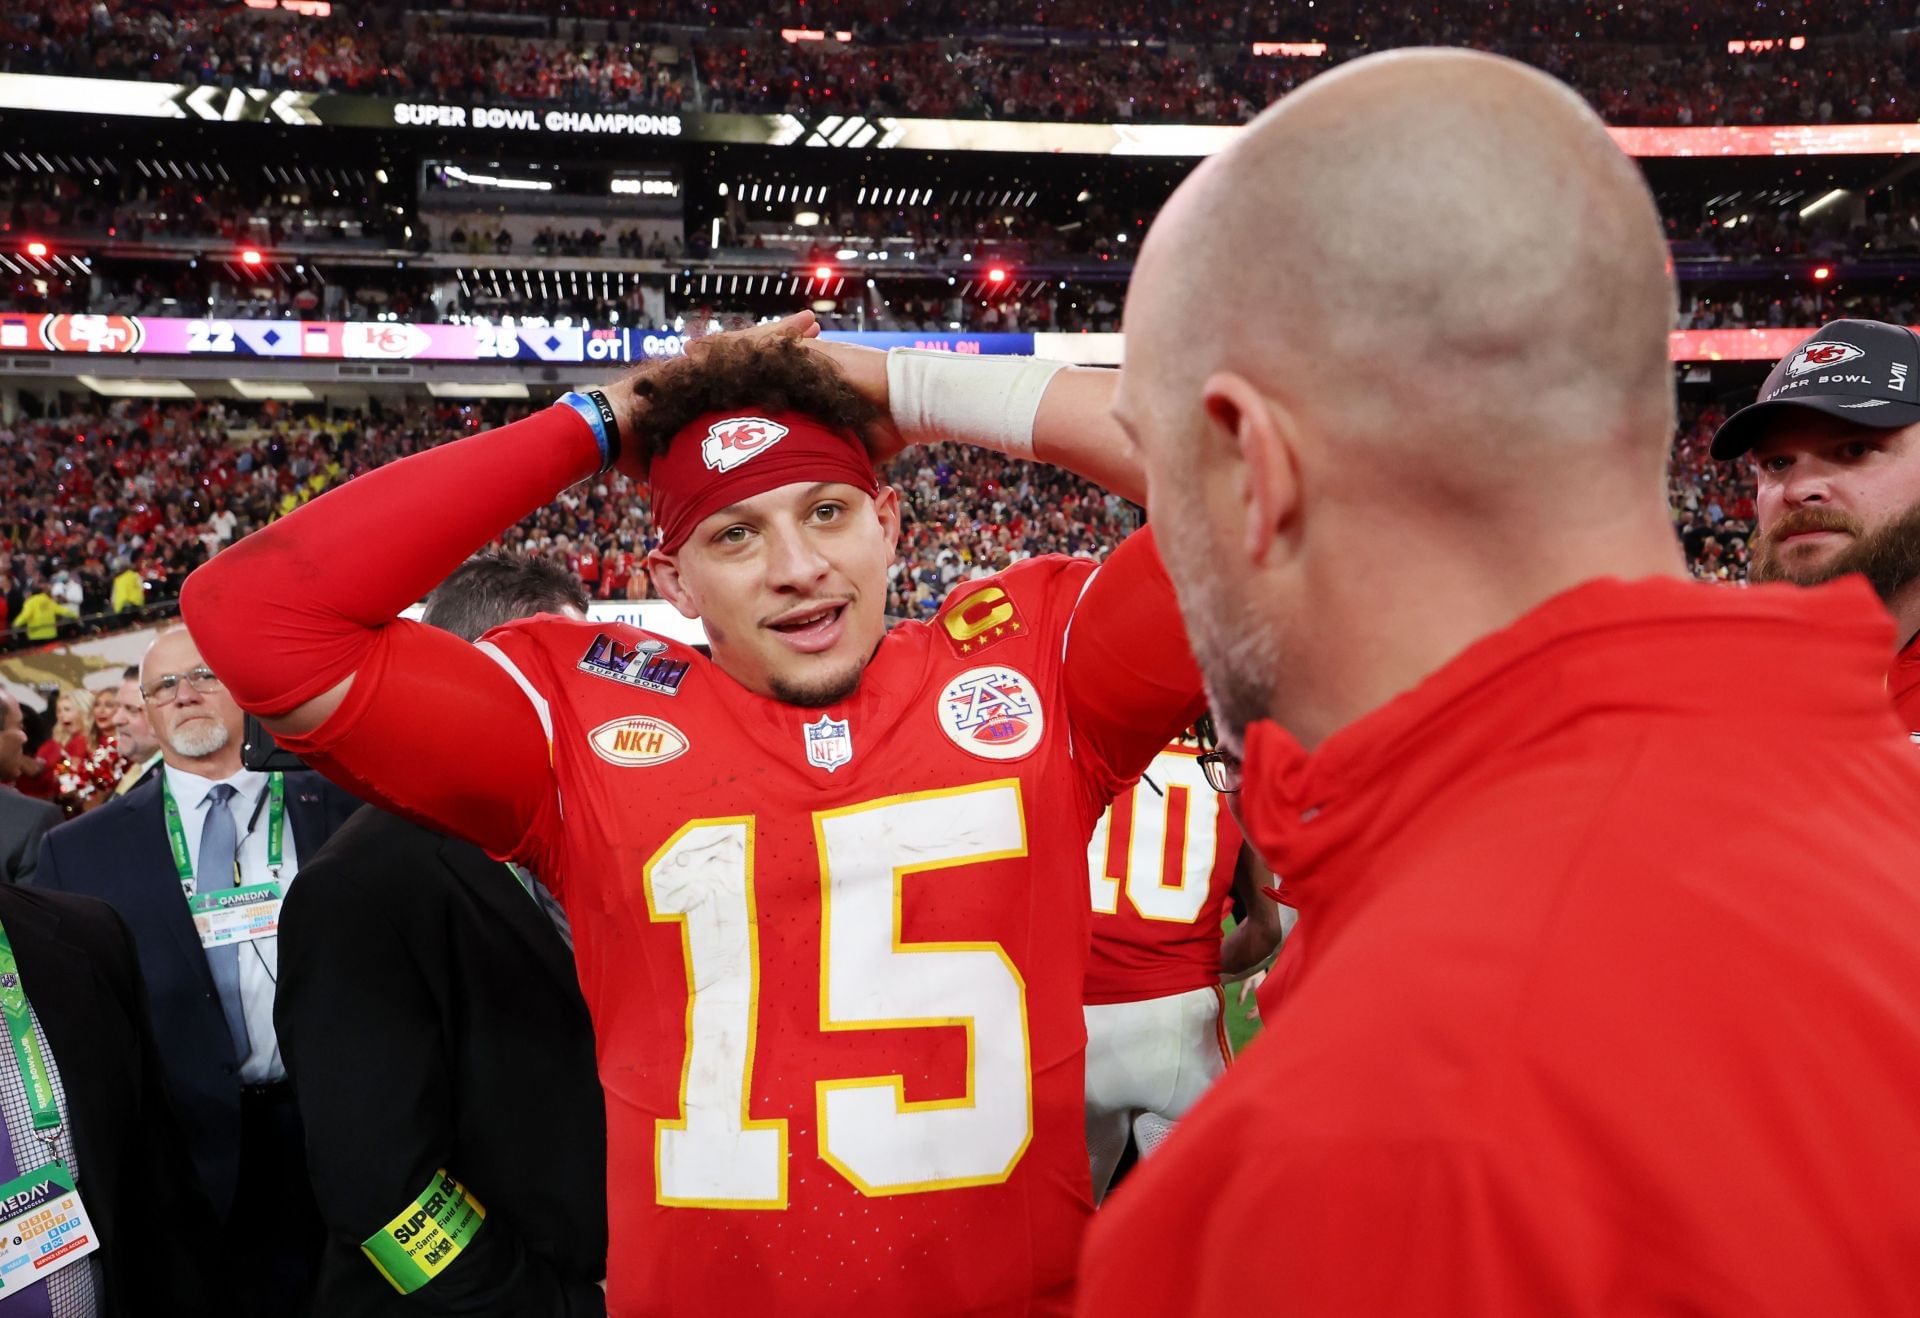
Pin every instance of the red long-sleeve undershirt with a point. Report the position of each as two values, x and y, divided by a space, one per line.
293 610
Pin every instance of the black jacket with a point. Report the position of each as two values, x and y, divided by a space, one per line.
119 854
23 822
78 967
430 1018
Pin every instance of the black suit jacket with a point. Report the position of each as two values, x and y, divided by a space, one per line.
119 854
23 822
78 966
430 1017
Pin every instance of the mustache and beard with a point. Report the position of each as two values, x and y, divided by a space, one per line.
1888 556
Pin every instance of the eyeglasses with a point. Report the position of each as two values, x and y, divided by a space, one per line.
1223 771
167 689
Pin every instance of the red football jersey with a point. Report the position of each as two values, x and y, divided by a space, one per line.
1161 866
834 956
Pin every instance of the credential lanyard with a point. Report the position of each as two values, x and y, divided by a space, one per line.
276 825
26 1044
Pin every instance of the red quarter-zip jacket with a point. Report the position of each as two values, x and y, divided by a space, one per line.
1605 995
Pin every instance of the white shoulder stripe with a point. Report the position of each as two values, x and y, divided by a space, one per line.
1066 633
539 702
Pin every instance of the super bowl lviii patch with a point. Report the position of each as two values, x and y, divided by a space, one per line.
643 664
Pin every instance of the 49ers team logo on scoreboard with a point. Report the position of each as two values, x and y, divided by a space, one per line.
92 333
993 713
731 442
638 741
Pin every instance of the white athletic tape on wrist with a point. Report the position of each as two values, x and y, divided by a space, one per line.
989 401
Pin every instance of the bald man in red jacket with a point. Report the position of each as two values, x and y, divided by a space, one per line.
1605 992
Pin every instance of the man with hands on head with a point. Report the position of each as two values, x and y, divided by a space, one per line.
826 888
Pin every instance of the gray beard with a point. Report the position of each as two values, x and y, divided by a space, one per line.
200 738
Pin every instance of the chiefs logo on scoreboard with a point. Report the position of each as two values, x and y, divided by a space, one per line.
390 341
731 442
79 333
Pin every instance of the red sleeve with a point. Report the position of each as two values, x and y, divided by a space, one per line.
435 730
430 726
294 609
1131 681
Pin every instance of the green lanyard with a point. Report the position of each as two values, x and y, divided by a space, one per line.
276 824
26 1044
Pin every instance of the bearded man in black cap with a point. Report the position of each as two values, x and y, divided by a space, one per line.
1834 440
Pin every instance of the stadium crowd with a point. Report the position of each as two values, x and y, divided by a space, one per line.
152 489
942 60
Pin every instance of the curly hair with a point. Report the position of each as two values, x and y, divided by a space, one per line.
727 372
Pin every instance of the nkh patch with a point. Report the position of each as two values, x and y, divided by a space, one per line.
643 664
731 442
985 617
637 741
829 743
993 713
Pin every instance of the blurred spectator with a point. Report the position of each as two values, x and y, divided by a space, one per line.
132 733
41 613
23 820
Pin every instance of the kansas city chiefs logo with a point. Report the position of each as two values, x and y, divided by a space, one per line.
1822 357
731 442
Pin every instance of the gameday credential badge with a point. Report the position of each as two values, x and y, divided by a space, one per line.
642 664
637 741
829 743
993 713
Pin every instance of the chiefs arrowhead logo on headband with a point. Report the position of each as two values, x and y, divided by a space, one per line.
722 458
731 442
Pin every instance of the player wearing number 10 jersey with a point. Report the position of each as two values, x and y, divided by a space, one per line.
1165 862
825 889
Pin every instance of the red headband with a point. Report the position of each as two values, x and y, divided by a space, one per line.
720 458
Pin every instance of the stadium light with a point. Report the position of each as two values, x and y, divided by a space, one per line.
1822 273
250 257
996 276
36 248
823 272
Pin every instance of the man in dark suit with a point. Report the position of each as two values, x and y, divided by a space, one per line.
74 961
433 1027
23 819
196 861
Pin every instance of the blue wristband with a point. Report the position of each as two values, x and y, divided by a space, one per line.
598 414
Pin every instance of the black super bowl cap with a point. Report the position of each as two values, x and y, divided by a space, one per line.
1863 371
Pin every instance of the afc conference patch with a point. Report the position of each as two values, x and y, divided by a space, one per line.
643 664
829 743
993 713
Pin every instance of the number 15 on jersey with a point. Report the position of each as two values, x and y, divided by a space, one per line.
714 1155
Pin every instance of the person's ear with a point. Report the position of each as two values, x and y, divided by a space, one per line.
665 571
1264 436
886 506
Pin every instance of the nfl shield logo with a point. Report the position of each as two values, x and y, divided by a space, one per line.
829 743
